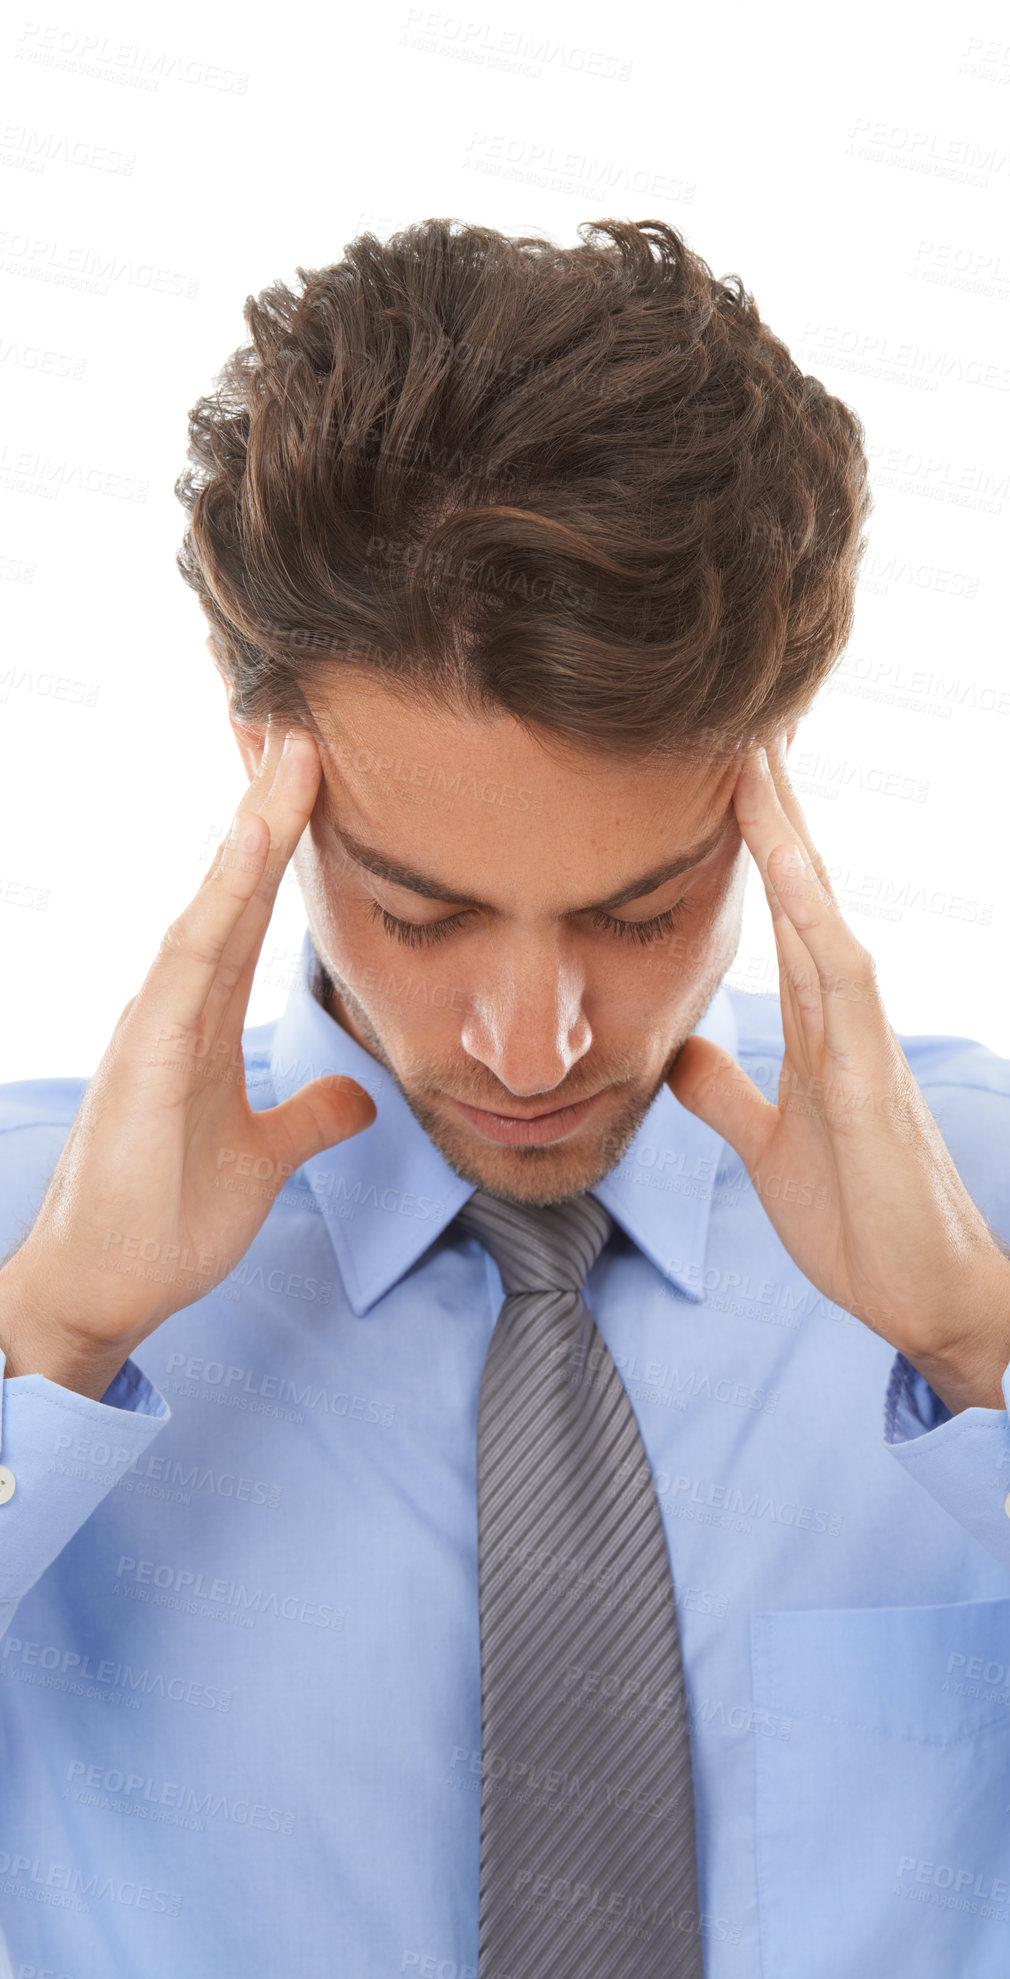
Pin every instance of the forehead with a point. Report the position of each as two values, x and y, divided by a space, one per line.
384 749
478 808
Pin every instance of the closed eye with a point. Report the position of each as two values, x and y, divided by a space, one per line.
417 934
651 930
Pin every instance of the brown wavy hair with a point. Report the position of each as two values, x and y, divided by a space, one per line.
586 485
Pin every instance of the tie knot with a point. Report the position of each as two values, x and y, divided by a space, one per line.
550 1249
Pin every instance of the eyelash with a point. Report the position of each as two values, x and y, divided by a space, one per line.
417 934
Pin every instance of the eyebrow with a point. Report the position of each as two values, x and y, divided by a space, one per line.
376 862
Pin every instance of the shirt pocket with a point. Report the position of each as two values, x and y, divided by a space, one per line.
882 1817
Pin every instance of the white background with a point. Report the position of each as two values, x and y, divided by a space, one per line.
851 167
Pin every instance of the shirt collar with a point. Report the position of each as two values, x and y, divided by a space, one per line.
387 1193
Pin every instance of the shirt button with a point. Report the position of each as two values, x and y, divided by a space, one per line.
7 1485
1006 1504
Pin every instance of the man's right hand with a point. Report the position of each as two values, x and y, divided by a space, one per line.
167 1170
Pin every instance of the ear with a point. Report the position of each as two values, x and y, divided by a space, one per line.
251 744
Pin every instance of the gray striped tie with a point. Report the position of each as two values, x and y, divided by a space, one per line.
587 1861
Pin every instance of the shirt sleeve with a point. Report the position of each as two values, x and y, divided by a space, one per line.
963 1461
61 1453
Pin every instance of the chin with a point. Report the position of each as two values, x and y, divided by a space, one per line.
535 1177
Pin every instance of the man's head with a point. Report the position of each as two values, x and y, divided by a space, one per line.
568 524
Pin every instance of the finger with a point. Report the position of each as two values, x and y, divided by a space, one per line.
790 805
320 1115
844 968
224 1014
771 834
799 984
184 973
710 1083
255 794
800 993
227 1001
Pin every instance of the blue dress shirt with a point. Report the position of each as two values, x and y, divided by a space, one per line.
239 1668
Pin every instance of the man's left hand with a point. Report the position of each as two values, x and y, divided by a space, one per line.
850 1165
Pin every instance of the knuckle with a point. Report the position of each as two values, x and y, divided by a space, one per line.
865 969
177 940
228 978
171 940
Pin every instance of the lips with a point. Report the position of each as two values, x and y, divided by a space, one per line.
528 1129
499 1113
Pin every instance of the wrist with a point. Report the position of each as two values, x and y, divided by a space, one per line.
969 1373
34 1342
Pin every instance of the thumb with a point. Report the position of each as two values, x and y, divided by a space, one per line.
325 1112
709 1083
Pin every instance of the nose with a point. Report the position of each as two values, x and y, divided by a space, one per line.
528 1025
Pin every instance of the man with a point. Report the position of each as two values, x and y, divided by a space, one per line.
337 1637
